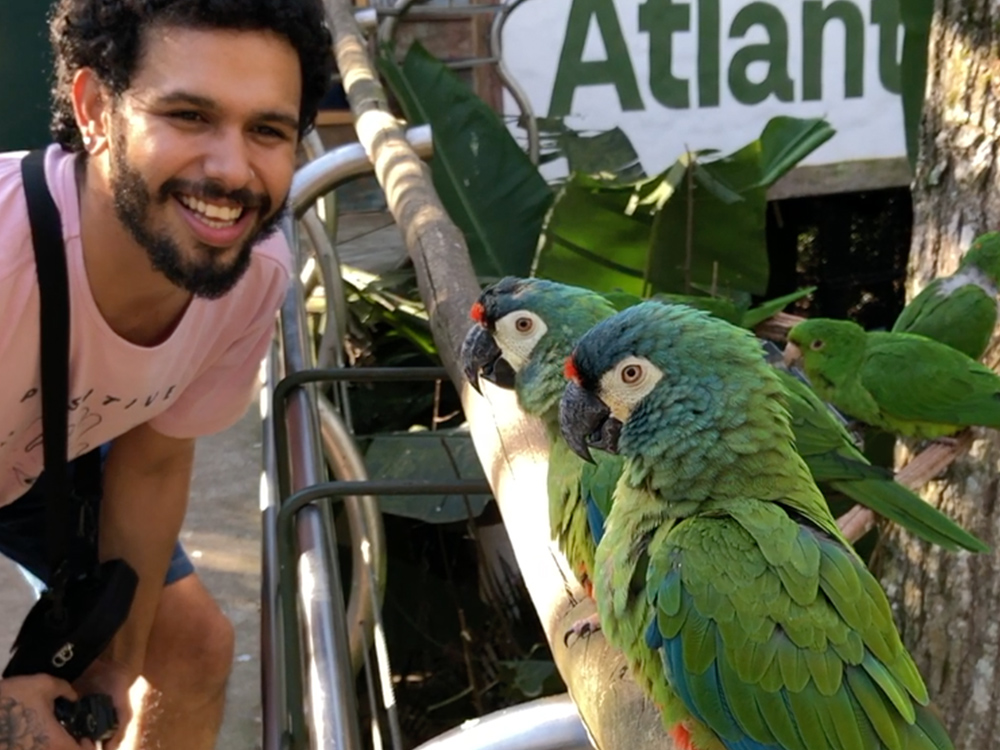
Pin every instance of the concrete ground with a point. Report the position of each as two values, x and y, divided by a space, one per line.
222 529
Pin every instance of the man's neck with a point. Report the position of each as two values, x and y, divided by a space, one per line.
136 301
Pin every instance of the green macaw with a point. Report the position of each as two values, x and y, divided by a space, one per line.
720 561
959 310
553 316
899 382
526 329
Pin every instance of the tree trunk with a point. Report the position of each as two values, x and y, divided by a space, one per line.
948 605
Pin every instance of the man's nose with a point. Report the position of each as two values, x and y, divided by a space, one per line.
228 160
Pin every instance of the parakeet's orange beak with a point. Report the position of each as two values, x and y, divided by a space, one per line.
793 355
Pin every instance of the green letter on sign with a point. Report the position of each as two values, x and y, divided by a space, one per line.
814 20
661 18
774 53
574 72
885 15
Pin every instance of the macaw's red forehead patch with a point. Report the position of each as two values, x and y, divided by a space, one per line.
478 313
570 371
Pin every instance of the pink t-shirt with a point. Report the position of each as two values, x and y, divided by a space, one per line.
198 381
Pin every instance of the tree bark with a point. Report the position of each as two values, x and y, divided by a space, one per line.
948 605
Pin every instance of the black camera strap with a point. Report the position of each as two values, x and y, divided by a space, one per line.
86 601
68 542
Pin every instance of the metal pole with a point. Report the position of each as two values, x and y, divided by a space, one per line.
329 700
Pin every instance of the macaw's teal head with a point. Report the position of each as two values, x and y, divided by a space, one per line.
830 351
526 329
984 254
661 383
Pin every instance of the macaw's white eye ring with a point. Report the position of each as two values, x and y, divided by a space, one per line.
631 374
524 324
817 345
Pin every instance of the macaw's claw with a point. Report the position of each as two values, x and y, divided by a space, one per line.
582 628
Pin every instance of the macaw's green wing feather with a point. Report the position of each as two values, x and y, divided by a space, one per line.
892 500
821 439
915 379
963 319
777 636
597 485
567 509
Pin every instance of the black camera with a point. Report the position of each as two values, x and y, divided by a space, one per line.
92 717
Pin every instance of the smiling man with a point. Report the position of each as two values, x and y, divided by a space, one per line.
176 123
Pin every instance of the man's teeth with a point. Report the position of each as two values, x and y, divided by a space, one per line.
214 216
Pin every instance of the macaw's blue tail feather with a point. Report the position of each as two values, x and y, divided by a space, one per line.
712 700
595 519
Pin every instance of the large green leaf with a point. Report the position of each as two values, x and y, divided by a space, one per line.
702 237
434 456
710 233
785 142
487 184
609 154
592 239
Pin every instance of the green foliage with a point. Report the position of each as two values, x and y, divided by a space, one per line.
487 184
424 455
696 228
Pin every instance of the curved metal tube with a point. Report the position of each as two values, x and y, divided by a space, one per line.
521 98
328 260
545 724
313 148
341 164
387 27
365 521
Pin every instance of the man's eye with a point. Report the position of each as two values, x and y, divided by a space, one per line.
268 132
187 115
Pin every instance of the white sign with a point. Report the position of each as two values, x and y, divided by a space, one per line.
710 73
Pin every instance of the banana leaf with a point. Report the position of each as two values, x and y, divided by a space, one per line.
486 182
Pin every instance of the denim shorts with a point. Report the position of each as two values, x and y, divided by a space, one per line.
22 536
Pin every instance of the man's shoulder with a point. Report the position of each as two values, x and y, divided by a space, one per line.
274 257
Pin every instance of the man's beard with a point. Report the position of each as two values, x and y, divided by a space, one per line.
132 199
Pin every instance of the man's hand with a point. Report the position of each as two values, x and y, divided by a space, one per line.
113 679
27 714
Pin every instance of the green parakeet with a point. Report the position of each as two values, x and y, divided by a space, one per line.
899 382
527 328
959 310
720 558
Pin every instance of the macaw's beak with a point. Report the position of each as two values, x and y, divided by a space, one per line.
586 423
793 355
482 358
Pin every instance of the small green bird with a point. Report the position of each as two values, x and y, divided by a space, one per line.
899 382
959 310
720 558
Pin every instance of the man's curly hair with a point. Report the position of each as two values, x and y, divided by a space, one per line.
107 36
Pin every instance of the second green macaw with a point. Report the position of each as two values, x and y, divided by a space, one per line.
721 564
959 310
527 329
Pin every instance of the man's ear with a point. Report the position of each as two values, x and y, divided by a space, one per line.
92 107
